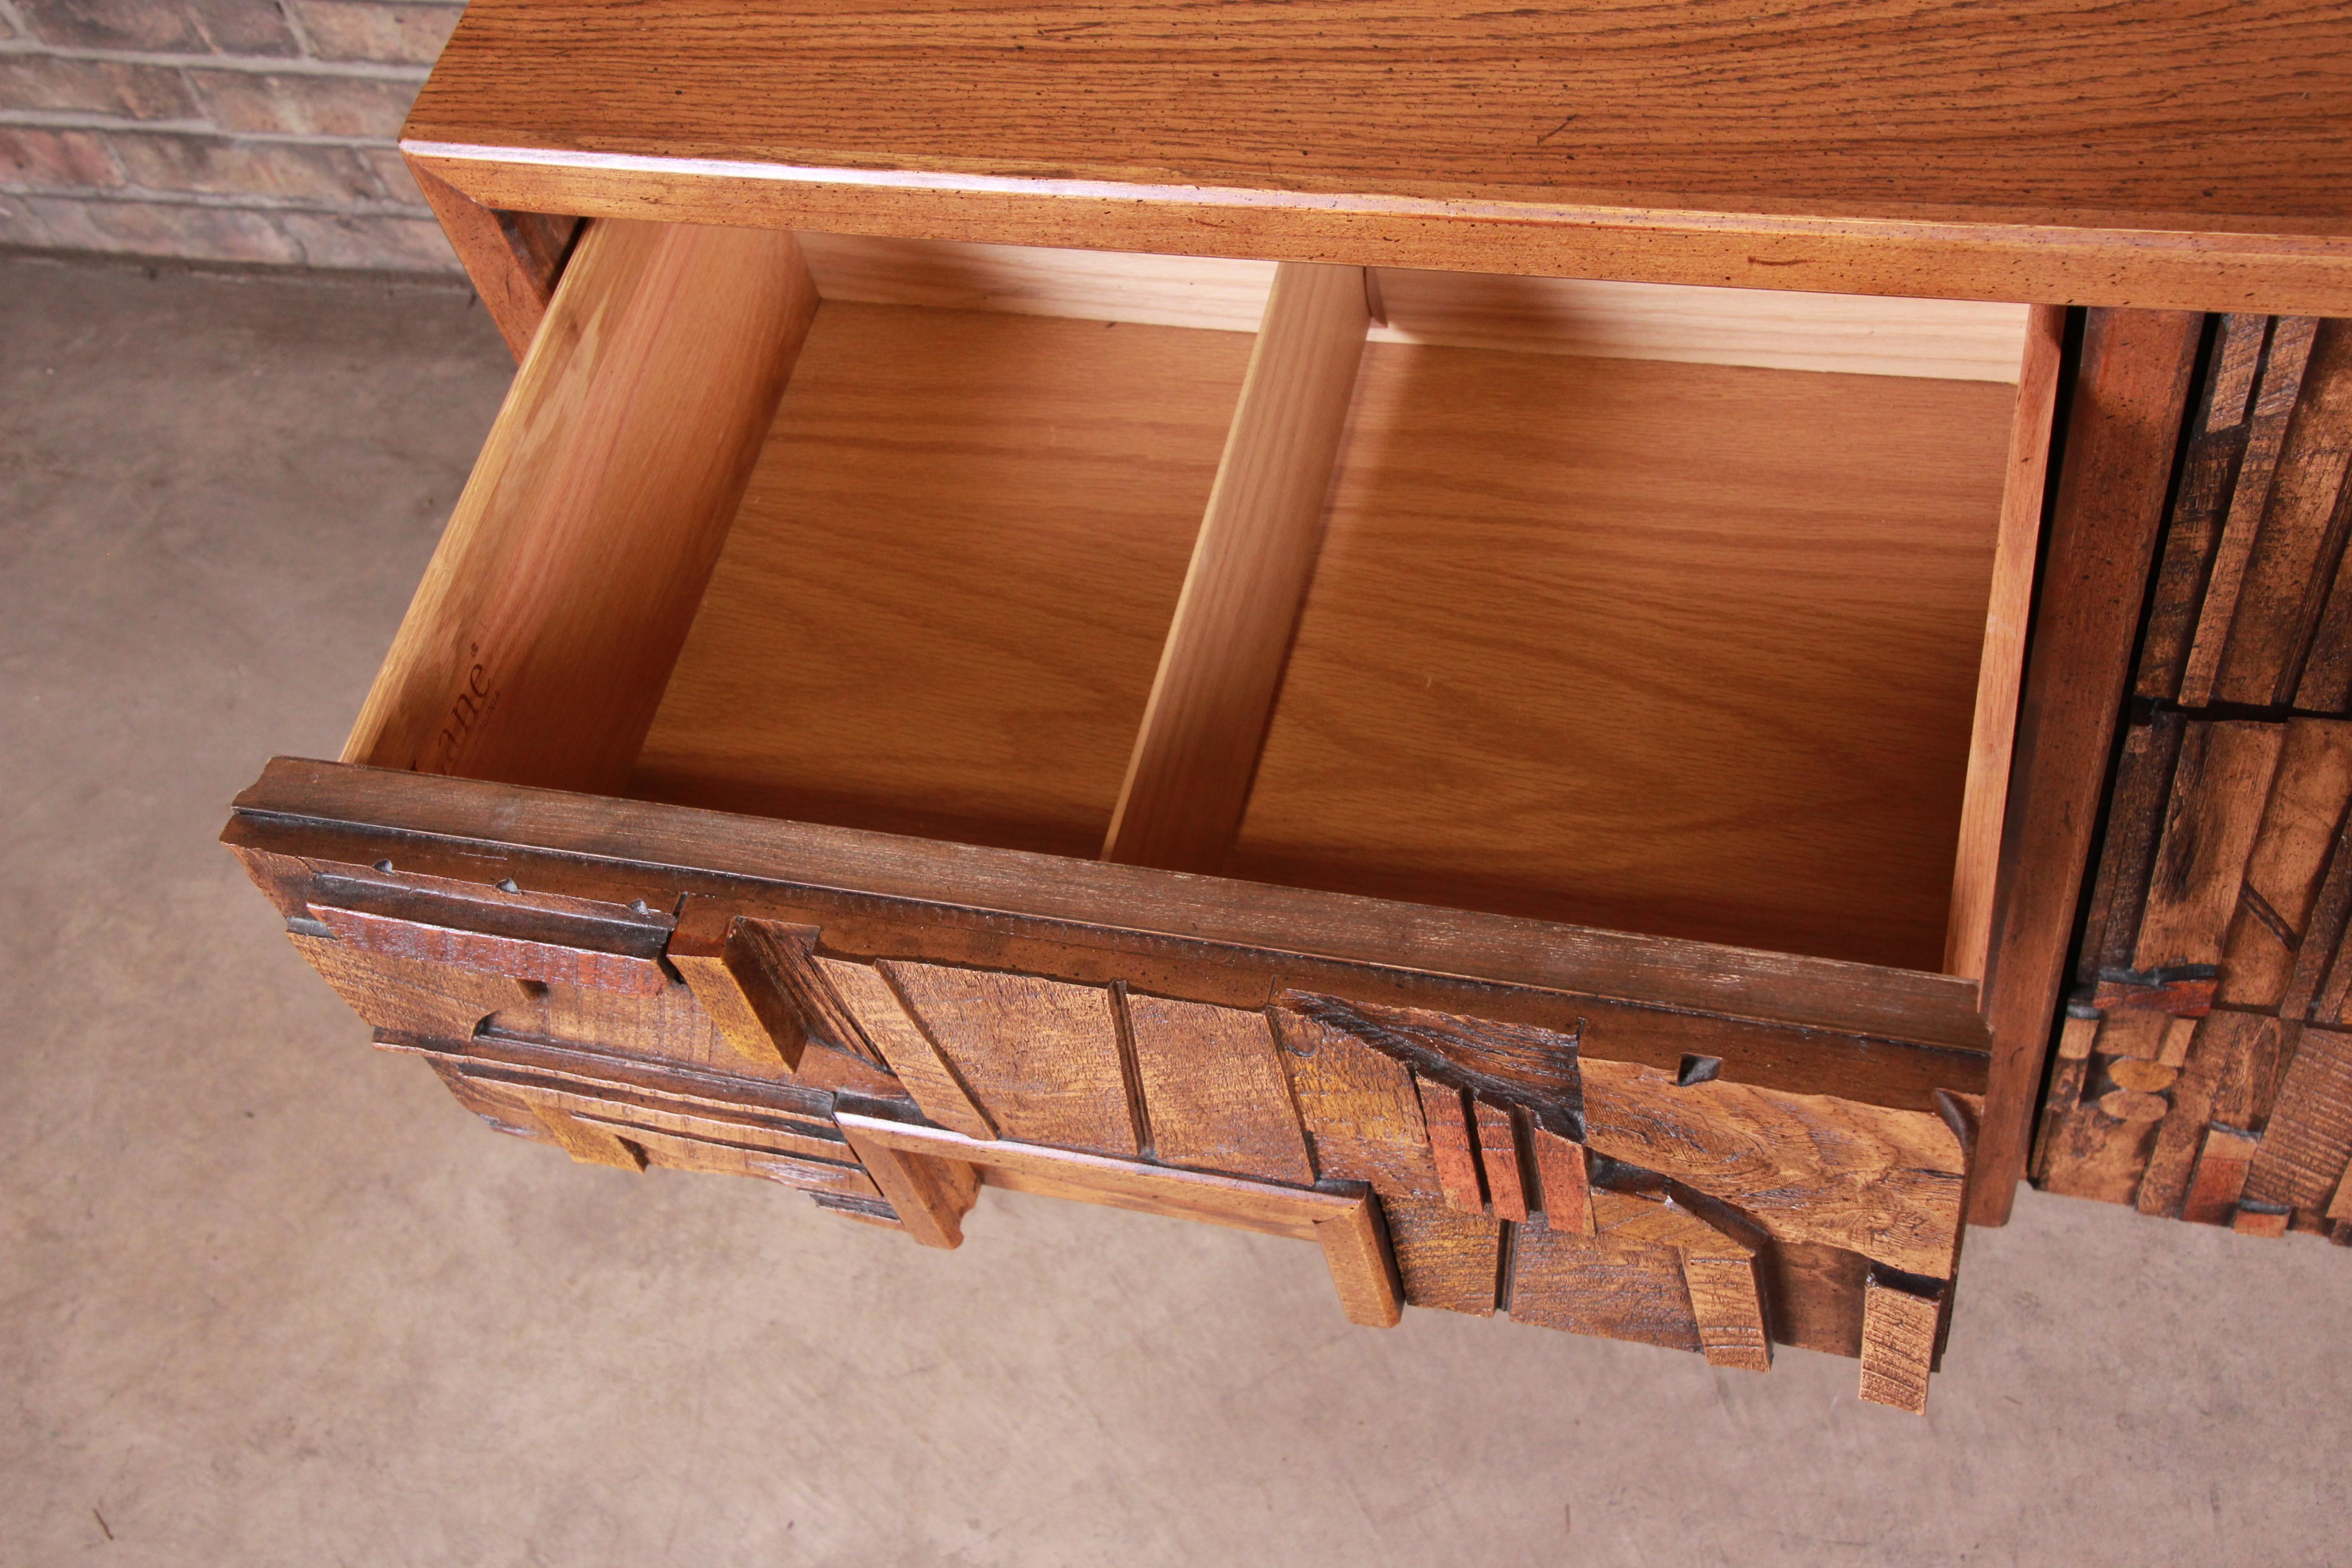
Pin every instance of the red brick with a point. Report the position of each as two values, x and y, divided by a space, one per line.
215 165
229 26
392 173
112 24
144 228
275 103
17 224
244 26
58 160
370 30
397 243
102 87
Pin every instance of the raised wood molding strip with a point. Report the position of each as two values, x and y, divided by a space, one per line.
1931 1010
492 953
1188 779
1347 1226
2117 268
931 1195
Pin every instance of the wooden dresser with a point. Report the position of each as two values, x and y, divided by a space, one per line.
1488 638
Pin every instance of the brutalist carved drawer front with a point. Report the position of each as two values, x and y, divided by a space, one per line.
1698 1148
2205 1068
1228 655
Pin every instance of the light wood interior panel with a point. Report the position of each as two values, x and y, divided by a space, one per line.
537 645
1859 334
943 600
1683 649
1188 779
1975 878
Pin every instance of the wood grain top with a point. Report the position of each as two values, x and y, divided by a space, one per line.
2166 153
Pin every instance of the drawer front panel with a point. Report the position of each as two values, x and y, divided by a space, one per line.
1624 1164
1047 1060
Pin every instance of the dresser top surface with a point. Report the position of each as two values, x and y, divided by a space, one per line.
2198 120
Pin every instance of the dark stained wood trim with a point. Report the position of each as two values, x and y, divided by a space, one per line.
2122 431
1852 998
1345 1224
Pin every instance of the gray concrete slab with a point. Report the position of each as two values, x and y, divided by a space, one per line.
267 1297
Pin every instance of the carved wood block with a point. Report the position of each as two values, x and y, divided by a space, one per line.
2300 825
1898 1342
1454 1144
1565 1177
1886 1183
1213 1091
884 1020
1361 1109
1446 1259
2220 1179
796 985
2282 381
2309 1139
408 995
494 952
1730 1311
1597 1284
1498 1159
1041 1056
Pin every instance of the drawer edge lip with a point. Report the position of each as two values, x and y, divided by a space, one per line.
2154 260
1909 1007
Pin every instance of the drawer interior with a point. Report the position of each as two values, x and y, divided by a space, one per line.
1686 650
943 596
1684 612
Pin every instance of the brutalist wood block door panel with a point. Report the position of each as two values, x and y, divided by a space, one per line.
1484 722
2204 1072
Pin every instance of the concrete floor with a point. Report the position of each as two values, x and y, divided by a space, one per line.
269 1297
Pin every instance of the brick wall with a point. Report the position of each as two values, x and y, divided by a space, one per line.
217 130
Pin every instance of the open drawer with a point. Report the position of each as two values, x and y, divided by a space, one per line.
1502 778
